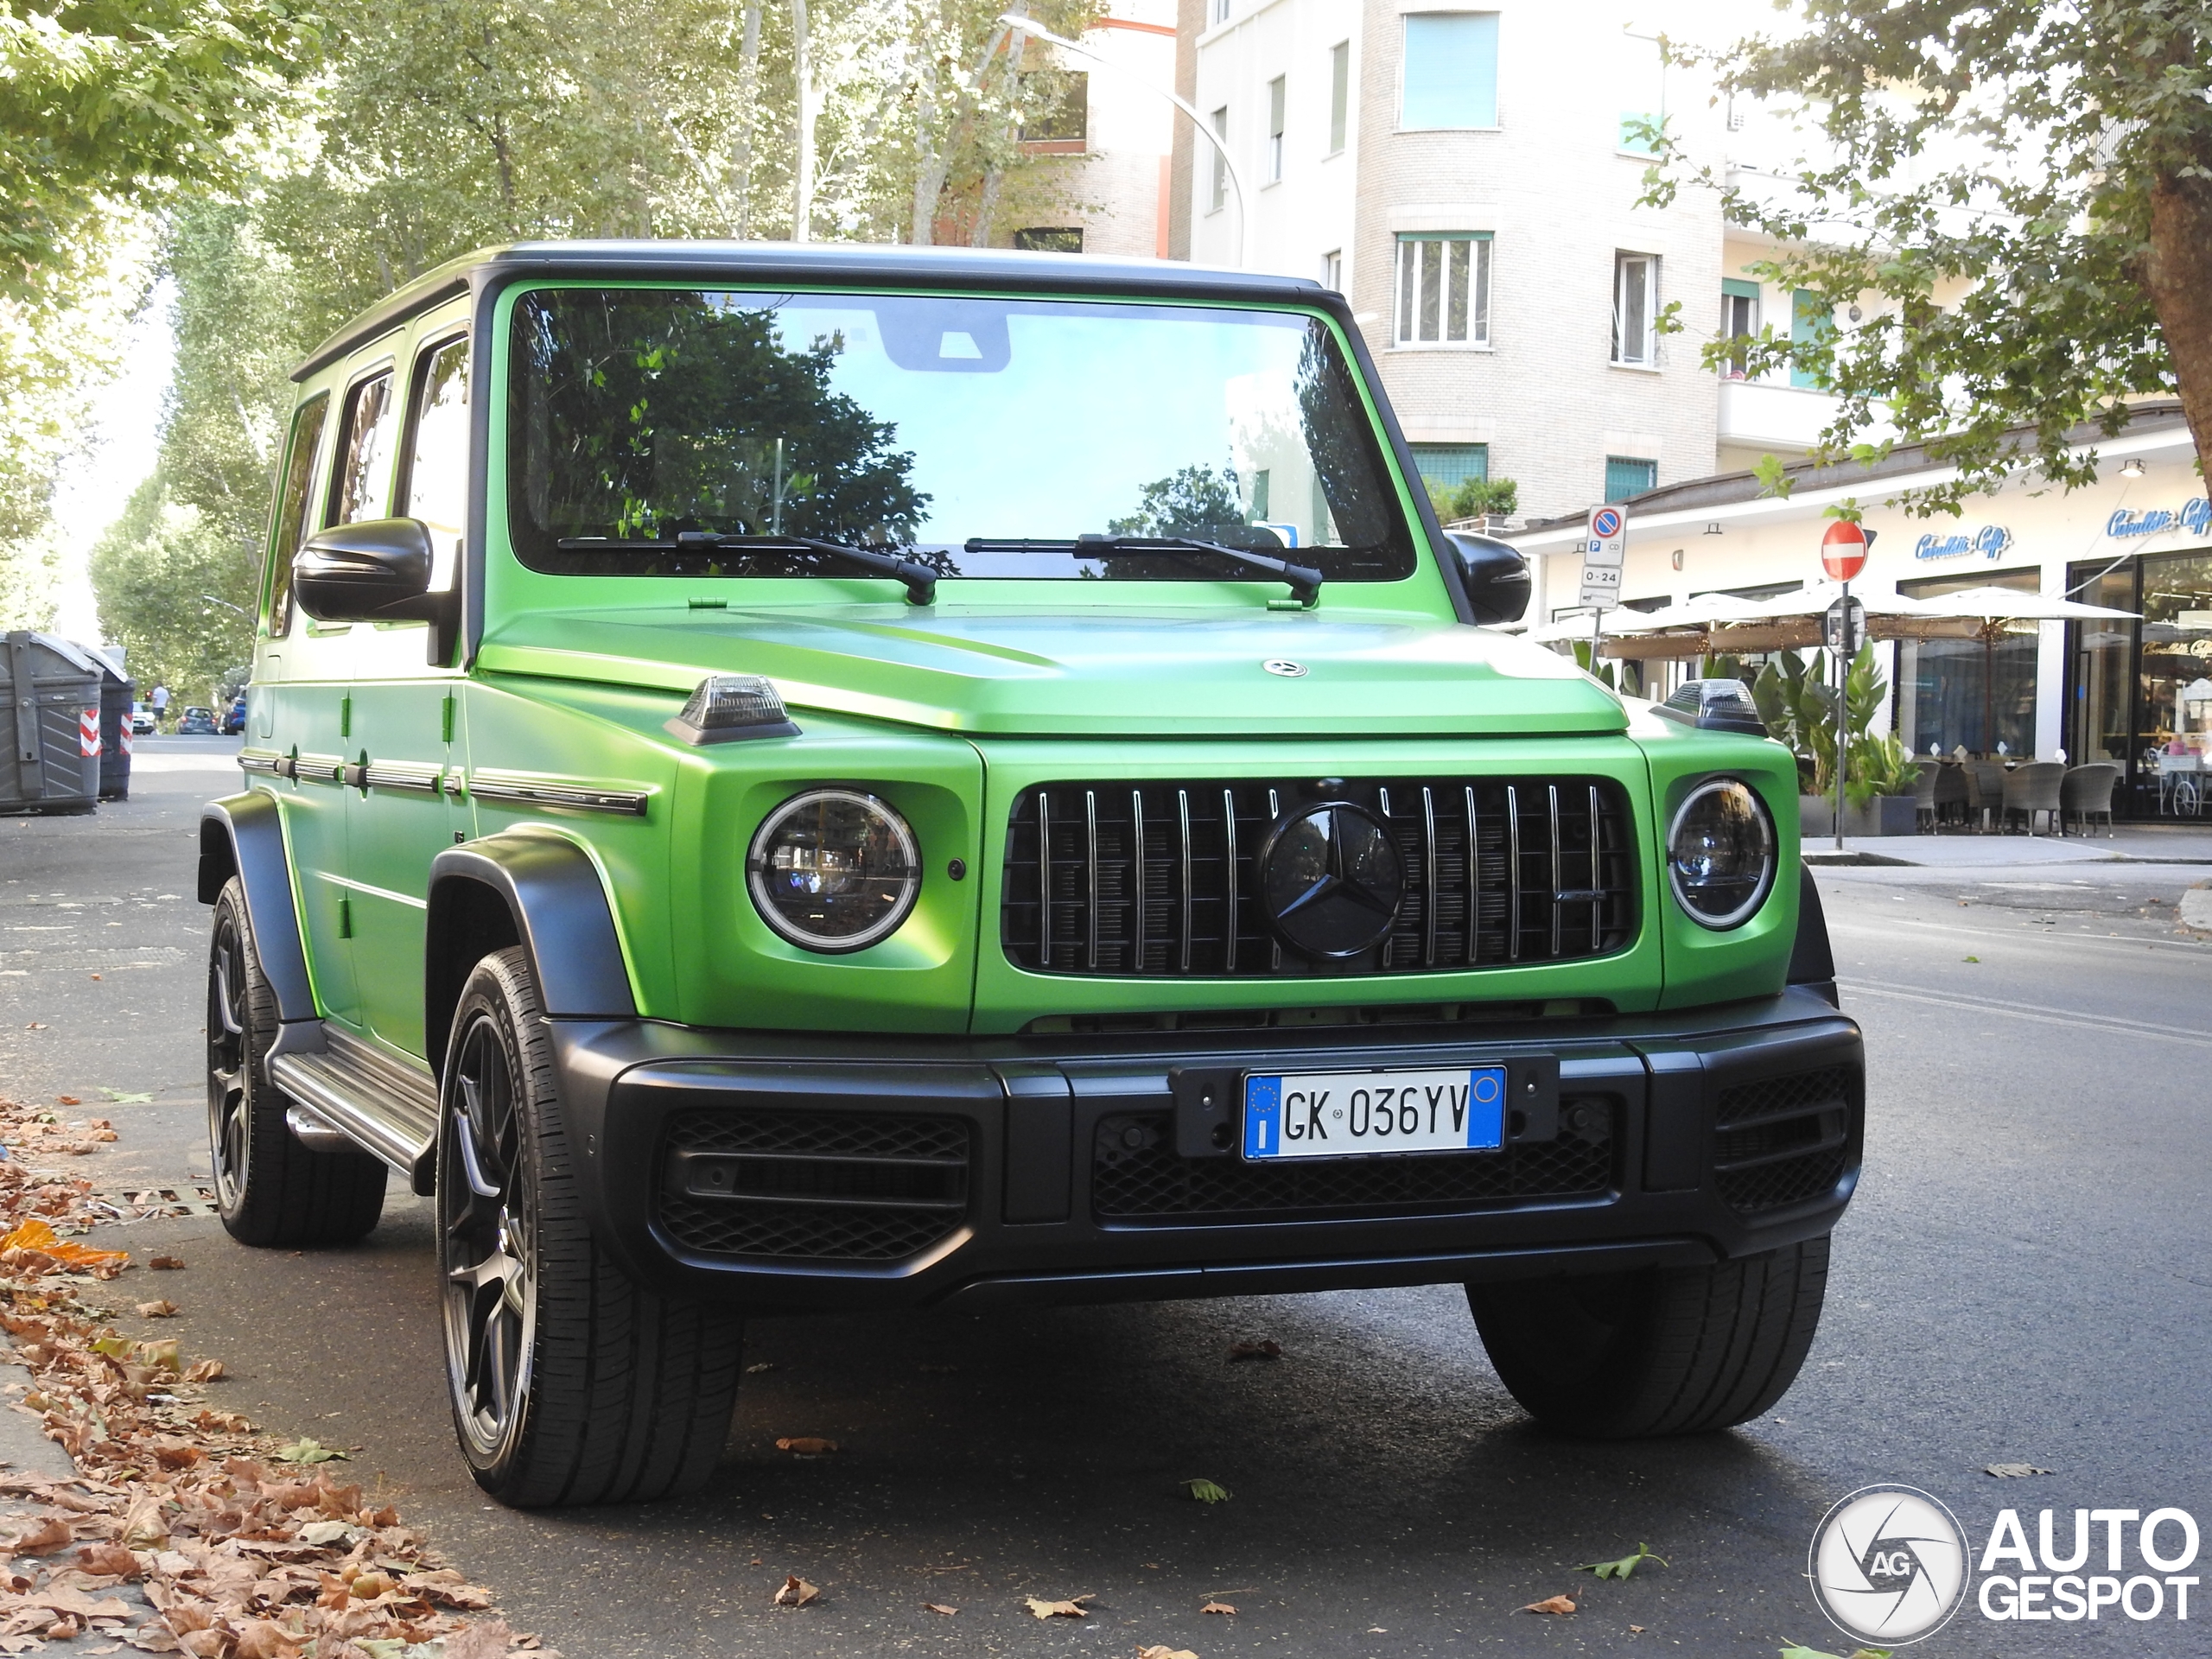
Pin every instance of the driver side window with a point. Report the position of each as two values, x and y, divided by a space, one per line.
365 452
292 509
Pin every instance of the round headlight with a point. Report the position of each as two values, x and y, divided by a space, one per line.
833 869
1720 853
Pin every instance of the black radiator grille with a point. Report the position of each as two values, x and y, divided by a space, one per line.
1136 1177
1162 879
1781 1140
849 1186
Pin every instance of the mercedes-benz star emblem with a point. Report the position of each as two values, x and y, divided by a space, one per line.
1331 879
1285 667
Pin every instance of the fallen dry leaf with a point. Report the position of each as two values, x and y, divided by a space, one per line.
1635 1630
33 1234
1270 1349
938 1607
112 1559
2014 1471
43 1539
72 1100
1551 1605
796 1593
165 1263
163 1309
1217 1607
807 1446
206 1371
1163 1651
1071 1608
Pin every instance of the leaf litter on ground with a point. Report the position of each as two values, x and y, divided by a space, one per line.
797 1591
2014 1471
240 1556
1266 1348
1561 1604
1625 1566
1071 1608
1797 1651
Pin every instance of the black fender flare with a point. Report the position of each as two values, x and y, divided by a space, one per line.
1812 962
244 835
529 886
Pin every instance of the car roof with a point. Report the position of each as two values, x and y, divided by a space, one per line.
826 262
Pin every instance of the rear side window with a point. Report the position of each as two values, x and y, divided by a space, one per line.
292 507
437 460
365 450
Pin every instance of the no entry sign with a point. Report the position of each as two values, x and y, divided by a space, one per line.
1843 550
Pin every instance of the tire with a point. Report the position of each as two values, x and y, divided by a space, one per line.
569 1383
1667 1351
270 1190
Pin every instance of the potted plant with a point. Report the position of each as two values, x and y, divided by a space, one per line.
1798 705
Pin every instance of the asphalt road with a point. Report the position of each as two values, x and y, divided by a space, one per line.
2026 1276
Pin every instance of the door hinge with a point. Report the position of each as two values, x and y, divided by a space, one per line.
345 717
446 718
345 918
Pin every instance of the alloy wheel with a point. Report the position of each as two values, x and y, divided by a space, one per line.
486 1238
229 1124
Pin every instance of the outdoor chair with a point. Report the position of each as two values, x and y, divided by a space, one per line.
2032 789
1923 797
1952 799
2087 794
1986 793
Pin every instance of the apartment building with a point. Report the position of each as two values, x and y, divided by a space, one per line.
1470 178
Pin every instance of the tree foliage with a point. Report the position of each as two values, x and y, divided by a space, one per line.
1200 500
2018 193
102 100
177 592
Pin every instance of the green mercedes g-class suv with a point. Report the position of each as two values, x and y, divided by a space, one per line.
797 779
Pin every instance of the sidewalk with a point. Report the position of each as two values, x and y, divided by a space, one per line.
2129 843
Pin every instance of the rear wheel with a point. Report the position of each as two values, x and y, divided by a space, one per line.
569 1383
270 1190
1667 1351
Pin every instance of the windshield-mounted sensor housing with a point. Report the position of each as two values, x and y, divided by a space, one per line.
729 707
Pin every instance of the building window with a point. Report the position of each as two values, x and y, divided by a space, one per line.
1643 96
1625 475
1217 191
1218 10
1444 289
1261 494
1635 308
1740 324
1332 270
1451 70
1339 93
1446 465
1052 239
1812 320
1277 98
1064 119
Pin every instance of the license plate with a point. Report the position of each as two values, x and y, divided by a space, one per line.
1357 1114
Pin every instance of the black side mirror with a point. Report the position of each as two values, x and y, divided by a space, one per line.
377 570
1495 575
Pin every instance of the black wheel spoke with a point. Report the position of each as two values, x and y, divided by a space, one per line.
483 1234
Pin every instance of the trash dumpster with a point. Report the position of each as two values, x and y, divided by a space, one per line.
51 691
117 693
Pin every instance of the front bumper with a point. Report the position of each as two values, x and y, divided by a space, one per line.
800 1172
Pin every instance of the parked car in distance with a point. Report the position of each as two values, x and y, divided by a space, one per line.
197 722
142 720
234 720
769 817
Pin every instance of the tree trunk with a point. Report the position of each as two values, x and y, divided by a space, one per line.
2177 276
803 163
929 170
749 92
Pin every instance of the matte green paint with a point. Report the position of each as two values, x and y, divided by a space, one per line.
946 712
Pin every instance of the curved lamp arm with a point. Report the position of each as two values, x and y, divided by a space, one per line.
1029 26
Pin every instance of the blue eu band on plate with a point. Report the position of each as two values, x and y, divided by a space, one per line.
1358 1114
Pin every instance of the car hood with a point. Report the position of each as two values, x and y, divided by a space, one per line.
1111 671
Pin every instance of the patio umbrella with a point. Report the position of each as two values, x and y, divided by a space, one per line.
1988 614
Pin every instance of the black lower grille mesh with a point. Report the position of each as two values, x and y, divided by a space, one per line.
1781 1140
1136 1176
845 1186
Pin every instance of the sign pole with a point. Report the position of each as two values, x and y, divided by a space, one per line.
1602 556
1843 554
1842 709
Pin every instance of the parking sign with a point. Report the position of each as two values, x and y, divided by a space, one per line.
1602 557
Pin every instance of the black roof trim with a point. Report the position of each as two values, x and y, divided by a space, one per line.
1720 489
812 262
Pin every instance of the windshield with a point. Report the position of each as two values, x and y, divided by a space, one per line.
979 436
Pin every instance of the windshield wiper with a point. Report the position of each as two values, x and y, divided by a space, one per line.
920 580
1304 581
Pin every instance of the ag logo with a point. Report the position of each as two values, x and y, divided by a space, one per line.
1889 1565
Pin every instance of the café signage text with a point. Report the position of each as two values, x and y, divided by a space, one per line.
2194 517
1990 541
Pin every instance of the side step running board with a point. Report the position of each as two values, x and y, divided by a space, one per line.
381 1107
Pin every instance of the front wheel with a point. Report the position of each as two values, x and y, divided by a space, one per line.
1666 1350
569 1383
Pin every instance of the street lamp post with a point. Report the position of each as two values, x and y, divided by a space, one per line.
1029 26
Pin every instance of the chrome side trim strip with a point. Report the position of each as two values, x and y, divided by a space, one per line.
541 792
404 774
319 769
258 761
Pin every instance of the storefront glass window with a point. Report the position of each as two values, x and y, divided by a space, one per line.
2174 688
2101 661
1973 694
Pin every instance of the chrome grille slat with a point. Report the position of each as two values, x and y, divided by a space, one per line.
1482 888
